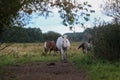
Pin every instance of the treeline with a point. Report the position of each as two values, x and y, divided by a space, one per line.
80 36
29 35
20 34
75 37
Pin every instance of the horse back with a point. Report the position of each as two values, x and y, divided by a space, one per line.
49 44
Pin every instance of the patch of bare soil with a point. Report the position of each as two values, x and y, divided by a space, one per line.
43 71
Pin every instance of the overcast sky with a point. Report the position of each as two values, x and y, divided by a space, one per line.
54 22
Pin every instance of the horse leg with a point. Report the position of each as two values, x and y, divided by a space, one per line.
65 56
86 51
62 54
45 51
83 51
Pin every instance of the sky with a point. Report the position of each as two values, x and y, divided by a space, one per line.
54 22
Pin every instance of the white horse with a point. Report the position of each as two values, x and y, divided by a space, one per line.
63 44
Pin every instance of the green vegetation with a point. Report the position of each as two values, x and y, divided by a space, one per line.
107 42
20 11
14 59
20 53
33 35
23 35
97 69
94 68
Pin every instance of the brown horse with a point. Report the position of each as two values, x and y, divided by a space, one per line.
50 46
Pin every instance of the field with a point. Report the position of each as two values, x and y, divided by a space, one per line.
30 54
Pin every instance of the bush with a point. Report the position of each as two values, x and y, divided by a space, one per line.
107 42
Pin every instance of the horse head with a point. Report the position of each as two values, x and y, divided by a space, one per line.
65 42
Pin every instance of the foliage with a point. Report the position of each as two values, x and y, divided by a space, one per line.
107 42
14 12
51 36
75 37
70 10
112 9
19 34
8 12
97 69
82 36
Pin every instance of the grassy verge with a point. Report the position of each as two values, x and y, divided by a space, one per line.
97 69
15 59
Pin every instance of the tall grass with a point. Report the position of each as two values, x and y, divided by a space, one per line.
97 69
27 53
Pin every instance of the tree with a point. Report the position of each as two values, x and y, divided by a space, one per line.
70 10
8 12
106 42
49 36
112 9
35 34
19 34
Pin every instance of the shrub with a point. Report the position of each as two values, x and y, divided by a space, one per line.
107 42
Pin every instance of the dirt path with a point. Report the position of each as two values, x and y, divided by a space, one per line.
43 71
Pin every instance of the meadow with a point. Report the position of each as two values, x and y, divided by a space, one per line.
19 53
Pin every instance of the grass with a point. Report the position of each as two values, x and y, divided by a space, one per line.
16 59
97 69
27 53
